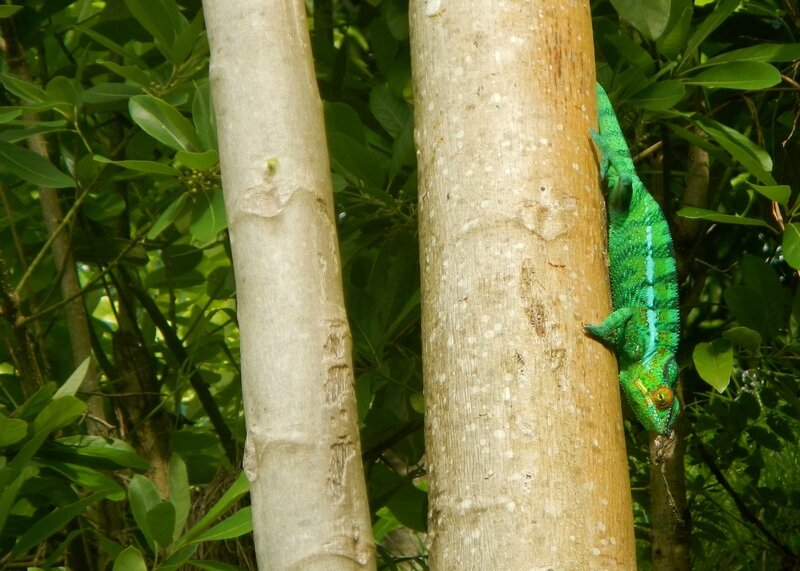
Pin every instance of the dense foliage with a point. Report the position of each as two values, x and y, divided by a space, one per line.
106 113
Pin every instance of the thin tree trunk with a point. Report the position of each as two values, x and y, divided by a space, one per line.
525 445
77 321
302 455
671 525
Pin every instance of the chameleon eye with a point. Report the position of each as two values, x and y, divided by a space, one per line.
662 397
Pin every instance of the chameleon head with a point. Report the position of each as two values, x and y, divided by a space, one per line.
652 400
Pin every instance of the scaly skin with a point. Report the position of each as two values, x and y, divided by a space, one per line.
644 327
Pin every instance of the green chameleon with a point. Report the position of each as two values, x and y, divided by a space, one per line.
643 329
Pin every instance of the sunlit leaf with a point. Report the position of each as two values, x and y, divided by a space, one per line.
130 559
236 525
75 380
791 244
164 123
695 213
738 75
714 363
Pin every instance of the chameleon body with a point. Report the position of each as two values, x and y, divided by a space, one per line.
643 328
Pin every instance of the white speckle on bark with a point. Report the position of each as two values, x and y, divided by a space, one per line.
433 8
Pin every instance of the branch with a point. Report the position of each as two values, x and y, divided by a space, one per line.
745 511
175 345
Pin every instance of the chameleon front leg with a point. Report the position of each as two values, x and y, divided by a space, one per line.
612 330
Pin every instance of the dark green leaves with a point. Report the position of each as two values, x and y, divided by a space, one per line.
760 302
32 167
650 18
165 23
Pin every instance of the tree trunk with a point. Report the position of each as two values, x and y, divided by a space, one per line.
303 456
525 445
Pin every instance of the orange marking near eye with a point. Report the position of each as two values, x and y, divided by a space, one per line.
662 397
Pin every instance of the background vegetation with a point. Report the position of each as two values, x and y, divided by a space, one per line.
106 108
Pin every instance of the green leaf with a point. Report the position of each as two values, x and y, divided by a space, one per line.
187 39
396 15
743 337
149 167
52 523
238 489
764 438
759 52
86 477
782 428
64 89
674 37
694 213
791 244
632 53
203 116
10 489
738 75
208 217
161 522
9 113
650 18
778 193
179 493
32 167
8 11
130 559
168 216
59 413
723 9
237 525
761 302
163 20
97 448
341 118
113 47
75 380
27 91
204 161
109 92
36 402
751 156
391 112
178 558
410 507
355 161
714 363
143 497
132 73
747 406
12 430
660 95
164 123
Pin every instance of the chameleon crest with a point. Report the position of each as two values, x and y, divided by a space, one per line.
643 328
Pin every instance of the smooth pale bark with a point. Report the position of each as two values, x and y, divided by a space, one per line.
525 444
303 456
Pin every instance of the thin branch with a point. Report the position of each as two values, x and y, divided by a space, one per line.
745 511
